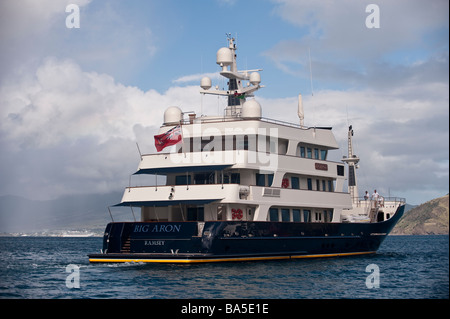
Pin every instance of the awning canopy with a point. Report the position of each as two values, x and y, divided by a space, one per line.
181 169
166 203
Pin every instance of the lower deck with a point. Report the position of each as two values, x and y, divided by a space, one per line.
236 212
212 241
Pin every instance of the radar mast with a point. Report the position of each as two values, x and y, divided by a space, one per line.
352 161
237 92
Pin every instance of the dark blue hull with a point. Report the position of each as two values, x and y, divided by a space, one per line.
214 241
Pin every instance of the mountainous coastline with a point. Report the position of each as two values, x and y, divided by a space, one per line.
430 218
88 214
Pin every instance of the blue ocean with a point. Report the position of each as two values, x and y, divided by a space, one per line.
405 267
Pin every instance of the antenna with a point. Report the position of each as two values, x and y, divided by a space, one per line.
346 108
310 72
300 112
139 150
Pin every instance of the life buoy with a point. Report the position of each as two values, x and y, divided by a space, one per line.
285 183
236 213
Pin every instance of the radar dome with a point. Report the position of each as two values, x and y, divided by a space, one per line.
255 78
251 109
205 83
224 56
173 115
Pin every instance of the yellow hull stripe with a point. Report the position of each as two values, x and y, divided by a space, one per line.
334 255
186 261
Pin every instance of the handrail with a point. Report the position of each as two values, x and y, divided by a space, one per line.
218 119
241 185
361 200
325 161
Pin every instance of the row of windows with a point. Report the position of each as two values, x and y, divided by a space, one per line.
299 215
263 180
309 152
321 185
229 142
248 142
208 178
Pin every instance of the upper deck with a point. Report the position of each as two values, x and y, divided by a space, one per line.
206 126
217 143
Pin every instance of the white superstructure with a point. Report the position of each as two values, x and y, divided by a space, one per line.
242 166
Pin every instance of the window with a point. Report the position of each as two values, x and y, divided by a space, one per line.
318 216
309 180
233 178
306 215
316 153
302 151
317 185
295 183
296 215
269 179
195 214
309 152
182 179
226 179
323 154
324 185
207 144
285 215
340 170
260 179
273 214
204 178
228 142
242 142
200 213
330 186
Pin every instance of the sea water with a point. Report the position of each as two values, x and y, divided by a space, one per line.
404 267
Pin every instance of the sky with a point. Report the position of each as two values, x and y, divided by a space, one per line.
74 101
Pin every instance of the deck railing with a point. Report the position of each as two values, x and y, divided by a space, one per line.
363 202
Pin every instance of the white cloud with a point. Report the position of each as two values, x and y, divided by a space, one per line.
20 18
28 29
70 131
342 45
196 77
342 25
31 31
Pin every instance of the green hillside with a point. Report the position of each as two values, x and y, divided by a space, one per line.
430 218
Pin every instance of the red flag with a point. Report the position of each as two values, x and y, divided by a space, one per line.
171 137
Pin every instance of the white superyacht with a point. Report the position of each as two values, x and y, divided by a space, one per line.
243 187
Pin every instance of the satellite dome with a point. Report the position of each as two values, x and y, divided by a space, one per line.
255 78
251 109
173 115
224 56
205 83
